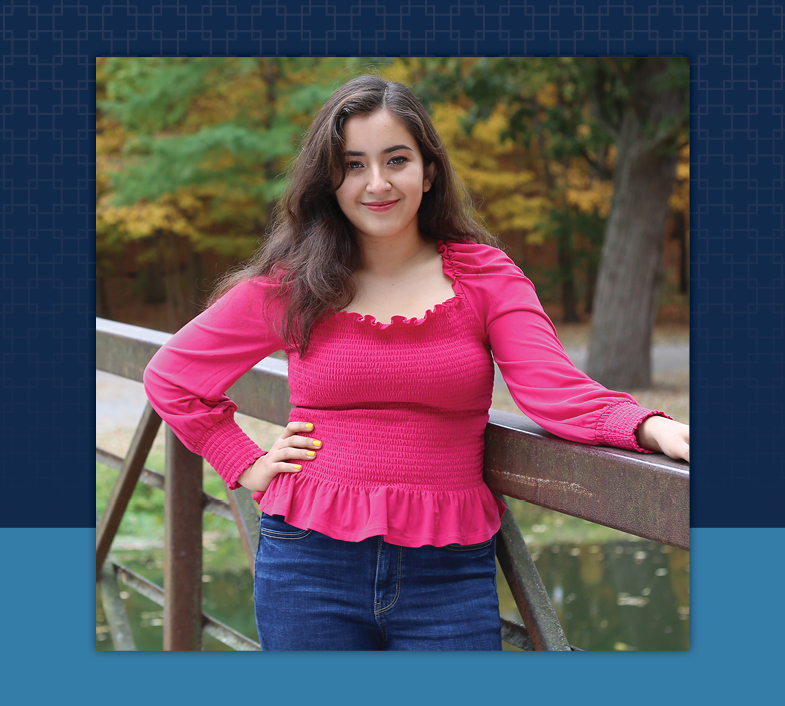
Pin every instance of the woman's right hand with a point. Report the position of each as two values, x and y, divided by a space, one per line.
283 457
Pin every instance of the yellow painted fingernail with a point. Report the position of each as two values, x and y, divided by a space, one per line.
309 426
296 466
317 444
311 453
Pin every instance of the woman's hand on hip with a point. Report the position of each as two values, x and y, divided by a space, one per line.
285 456
665 436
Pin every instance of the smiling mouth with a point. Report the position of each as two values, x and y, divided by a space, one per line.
380 205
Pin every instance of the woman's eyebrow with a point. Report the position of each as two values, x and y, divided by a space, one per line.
395 148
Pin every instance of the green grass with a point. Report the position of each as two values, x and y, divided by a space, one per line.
141 533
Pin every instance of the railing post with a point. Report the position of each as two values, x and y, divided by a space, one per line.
183 547
527 588
246 518
106 526
114 610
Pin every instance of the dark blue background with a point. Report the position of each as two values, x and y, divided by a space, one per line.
736 54
46 477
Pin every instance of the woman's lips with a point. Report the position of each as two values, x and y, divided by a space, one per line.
378 206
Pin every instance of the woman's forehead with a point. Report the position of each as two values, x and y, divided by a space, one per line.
373 133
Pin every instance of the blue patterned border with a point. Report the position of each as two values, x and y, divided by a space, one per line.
736 53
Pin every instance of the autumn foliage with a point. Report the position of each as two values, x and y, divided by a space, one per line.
191 155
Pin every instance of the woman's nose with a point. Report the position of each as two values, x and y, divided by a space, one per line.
377 182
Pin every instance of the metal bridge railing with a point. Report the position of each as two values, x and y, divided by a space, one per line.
645 495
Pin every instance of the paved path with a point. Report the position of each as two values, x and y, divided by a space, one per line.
666 358
670 358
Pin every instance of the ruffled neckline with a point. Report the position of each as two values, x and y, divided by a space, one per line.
448 267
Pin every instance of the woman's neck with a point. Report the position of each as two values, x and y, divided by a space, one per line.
389 257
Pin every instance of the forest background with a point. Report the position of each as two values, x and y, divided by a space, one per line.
580 166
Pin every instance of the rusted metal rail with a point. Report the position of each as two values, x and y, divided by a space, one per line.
644 495
211 626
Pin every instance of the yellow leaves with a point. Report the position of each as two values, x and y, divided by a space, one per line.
585 191
210 217
580 187
683 165
143 220
406 70
173 213
593 199
496 171
680 198
237 93
548 95
484 180
517 211
398 71
485 137
683 171
110 137
488 134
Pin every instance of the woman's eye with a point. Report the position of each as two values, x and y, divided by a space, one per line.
398 160
353 165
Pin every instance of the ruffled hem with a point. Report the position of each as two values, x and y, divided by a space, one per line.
448 267
408 518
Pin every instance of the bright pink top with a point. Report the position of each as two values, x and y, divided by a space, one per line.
401 408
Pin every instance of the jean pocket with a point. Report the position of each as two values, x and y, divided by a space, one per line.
469 547
275 527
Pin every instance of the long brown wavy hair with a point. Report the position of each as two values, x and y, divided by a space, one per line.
311 250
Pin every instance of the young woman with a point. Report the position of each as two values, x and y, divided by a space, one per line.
377 531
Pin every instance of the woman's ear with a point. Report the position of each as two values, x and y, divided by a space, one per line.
428 176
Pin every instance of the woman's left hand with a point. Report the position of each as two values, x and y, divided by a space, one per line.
665 436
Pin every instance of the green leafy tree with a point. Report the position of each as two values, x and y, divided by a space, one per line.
190 156
623 118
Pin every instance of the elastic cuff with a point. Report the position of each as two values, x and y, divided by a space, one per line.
617 426
231 477
229 450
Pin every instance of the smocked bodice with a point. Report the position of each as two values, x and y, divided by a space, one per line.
401 408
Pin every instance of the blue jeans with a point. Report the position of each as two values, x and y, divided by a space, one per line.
313 592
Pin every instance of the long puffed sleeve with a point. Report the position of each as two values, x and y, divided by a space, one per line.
187 379
541 378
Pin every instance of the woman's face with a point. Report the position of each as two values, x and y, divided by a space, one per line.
385 177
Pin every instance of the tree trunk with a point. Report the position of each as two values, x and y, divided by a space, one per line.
569 296
190 284
170 267
625 305
645 129
154 290
591 286
196 275
101 299
680 235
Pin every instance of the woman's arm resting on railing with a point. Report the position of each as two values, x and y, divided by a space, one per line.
540 376
665 436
